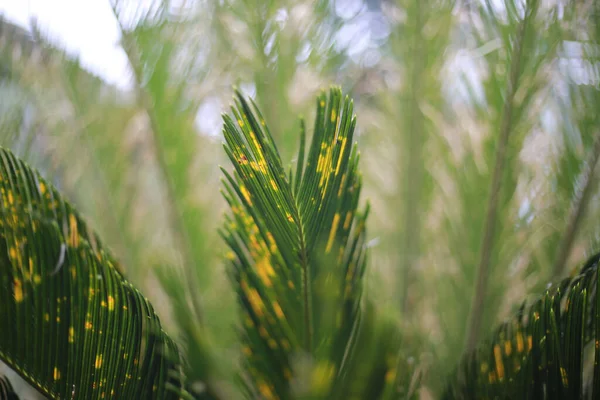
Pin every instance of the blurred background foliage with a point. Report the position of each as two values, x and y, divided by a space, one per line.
477 123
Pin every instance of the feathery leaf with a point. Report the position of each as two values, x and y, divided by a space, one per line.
74 326
298 256
547 350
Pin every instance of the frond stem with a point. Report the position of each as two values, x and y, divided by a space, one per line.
478 302
175 219
580 202
306 292
413 174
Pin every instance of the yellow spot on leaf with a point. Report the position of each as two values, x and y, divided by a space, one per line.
519 342
98 363
111 303
10 198
507 347
278 310
18 290
74 235
322 376
257 145
263 332
348 220
56 374
484 368
247 351
42 188
37 279
246 194
254 298
499 363
339 163
88 325
332 232
563 375
265 271
390 375
71 334
272 244
265 391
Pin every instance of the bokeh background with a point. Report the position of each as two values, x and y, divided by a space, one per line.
120 102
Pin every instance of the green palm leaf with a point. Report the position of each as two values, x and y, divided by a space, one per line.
546 351
298 252
73 326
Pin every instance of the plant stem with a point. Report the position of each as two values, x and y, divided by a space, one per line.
579 206
174 214
413 173
306 292
478 303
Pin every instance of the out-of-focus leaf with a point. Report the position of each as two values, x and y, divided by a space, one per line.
547 350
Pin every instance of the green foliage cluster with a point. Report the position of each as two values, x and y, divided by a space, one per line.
479 147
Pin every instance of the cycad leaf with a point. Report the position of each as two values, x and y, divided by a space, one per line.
73 327
298 250
542 351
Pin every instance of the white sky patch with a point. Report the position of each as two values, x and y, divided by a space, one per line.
86 28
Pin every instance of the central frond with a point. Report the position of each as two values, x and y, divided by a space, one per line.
298 248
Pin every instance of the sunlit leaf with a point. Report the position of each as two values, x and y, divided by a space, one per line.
298 256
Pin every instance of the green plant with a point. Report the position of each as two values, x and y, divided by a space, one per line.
297 260
479 141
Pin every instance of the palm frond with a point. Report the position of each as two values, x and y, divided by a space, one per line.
547 350
73 325
163 53
298 256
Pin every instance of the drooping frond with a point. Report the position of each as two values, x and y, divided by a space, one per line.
298 251
72 325
548 350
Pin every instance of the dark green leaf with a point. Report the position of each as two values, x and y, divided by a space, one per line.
73 326
541 351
